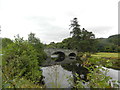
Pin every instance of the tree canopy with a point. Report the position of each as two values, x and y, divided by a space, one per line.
82 40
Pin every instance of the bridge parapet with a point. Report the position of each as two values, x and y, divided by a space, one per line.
51 51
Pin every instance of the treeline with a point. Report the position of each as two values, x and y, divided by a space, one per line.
110 44
84 41
21 62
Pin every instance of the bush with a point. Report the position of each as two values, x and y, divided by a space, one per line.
38 46
97 79
20 83
20 60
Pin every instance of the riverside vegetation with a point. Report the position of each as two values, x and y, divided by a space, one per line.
21 59
20 62
97 74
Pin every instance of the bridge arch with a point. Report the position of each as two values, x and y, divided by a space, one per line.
72 55
58 55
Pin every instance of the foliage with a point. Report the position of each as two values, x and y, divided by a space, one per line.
96 77
65 44
51 45
79 55
114 39
89 45
5 42
38 46
20 60
110 44
20 83
110 60
82 58
82 40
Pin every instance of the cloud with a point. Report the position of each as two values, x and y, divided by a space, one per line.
47 30
53 33
50 19
119 17
101 31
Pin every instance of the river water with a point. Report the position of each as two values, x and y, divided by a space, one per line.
58 77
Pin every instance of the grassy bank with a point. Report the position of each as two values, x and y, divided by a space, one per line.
110 55
110 60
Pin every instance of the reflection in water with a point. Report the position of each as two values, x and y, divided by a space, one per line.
63 76
56 77
77 68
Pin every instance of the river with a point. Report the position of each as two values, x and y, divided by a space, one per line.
57 76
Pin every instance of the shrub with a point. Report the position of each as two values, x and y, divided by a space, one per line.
20 60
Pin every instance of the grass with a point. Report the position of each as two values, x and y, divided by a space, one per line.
111 55
110 60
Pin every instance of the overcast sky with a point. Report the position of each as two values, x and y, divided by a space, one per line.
50 19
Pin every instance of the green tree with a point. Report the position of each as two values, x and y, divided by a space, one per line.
51 45
114 39
5 42
82 40
76 31
68 43
38 46
109 44
20 60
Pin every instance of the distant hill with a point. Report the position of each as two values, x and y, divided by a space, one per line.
114 39
110 44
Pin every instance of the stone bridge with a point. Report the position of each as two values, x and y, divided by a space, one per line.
59 56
